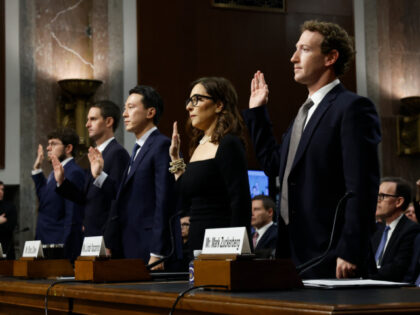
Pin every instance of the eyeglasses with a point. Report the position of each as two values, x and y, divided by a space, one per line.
382 196
54 143
197 98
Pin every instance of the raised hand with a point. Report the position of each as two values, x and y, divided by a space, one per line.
259 91
96 162
175 143
58 169
39 158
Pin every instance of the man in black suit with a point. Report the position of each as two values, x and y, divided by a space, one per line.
102 121
264 237
393 241
8 220
328 151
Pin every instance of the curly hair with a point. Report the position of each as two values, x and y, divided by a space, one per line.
335 37
229 120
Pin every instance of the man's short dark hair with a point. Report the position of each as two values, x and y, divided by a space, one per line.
335 37
109 109
151 98
1 183
403 189
268 203
67 136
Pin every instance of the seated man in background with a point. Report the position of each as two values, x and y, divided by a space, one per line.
265 236
59 220
8 218
393 241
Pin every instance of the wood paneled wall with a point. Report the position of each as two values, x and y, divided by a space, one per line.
2 87
179 41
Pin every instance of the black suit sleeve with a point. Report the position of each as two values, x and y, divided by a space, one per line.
70 191
231 160
266 147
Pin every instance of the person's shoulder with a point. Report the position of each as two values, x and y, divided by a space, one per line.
230 140
349 97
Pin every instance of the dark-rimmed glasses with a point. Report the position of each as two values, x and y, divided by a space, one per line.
197 98
382 196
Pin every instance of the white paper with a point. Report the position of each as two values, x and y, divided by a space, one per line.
341 283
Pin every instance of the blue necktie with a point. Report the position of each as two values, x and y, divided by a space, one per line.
50 177
380 250
133 156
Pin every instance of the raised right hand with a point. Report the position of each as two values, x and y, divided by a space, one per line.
96 162
259 91
58 169
175 143
39 158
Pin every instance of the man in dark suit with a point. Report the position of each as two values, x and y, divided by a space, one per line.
330 149
144 202
264 237
102 120
393 241
59 220
8 220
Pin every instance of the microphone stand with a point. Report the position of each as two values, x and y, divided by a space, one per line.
317 260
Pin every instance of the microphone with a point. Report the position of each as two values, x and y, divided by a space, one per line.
317 260
165 258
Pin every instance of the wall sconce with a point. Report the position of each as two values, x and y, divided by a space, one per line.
408 126
72 107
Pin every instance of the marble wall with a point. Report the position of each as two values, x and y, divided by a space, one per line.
62 39
393 59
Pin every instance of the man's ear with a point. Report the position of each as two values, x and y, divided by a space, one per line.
68 149
399 202
151 112
271 212
331 58
109 122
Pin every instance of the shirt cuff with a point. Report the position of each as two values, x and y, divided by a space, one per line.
156 255
37 171
99 181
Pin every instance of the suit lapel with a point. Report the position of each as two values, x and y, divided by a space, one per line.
315 121
394 237
143 151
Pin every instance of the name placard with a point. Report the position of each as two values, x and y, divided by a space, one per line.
93 246
226 241
33 249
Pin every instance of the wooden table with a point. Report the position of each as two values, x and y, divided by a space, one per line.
27 297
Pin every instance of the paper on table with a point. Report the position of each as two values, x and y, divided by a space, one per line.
348 283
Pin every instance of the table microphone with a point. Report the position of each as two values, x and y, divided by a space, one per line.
317 260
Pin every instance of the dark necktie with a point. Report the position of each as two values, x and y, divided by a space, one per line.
133 156
254 239
418 281
380 251
297 131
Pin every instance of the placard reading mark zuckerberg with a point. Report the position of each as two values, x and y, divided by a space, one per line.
226 241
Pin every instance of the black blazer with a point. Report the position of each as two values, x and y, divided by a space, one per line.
336 154
414 269
267 243
98 203
399 251
269 238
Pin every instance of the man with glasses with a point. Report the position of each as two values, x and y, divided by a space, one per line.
59 220
392 243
